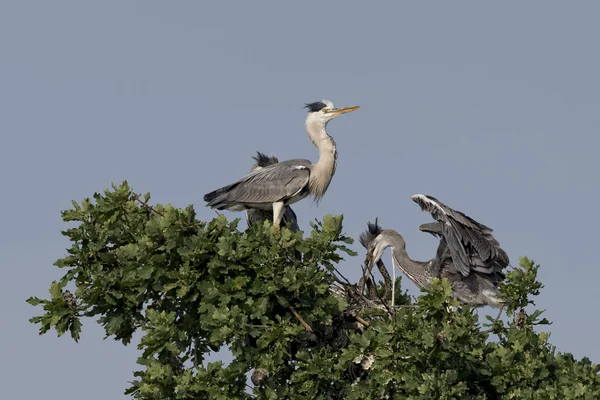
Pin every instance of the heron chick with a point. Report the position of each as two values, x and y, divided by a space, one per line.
254 216
278 185
468 255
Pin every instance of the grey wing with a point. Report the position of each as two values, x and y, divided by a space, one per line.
273 183
435 228
254 216
442 258
470 243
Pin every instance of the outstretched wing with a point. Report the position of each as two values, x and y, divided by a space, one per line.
277 182
470 243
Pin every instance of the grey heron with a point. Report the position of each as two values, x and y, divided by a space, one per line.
254 216
284 183
468 254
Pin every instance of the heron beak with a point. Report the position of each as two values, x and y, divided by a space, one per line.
340 111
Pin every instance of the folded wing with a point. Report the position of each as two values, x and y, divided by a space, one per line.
277 182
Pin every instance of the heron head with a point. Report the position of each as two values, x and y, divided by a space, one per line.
376 240
324 111
371 240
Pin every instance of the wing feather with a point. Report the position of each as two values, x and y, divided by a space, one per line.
254 216
471 244
269 184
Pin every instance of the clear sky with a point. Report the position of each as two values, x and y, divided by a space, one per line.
492 108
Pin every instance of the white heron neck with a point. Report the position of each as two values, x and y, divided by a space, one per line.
324 169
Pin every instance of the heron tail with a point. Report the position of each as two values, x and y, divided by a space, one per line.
216 197
209 197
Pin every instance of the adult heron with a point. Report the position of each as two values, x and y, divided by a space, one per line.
254 216
281 184
468 254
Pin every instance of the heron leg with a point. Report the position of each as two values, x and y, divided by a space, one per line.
393 282
277 215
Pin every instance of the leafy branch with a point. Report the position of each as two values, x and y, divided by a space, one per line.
296 324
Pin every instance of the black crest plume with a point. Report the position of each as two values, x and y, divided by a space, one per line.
316 106
373 230
263 160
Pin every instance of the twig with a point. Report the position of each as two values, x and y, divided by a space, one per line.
362 281
389 310
362 321
295 261
387 281
354 292
149 207
500 312
342 276
369 269
299 318
348 283
372 288
491 329
219 214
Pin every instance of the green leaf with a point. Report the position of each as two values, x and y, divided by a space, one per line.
188 288
113 324
56 290
34 301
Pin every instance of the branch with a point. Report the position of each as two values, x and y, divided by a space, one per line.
386 279
149 207
299 318
362 321
380 265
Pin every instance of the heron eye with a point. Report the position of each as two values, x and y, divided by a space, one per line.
326 110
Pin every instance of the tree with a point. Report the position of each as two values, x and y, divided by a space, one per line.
193 287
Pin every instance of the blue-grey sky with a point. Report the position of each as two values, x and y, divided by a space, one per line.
492 108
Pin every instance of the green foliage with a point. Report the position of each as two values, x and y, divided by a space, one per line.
61 312
193 287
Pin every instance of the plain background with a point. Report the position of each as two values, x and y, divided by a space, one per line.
492 108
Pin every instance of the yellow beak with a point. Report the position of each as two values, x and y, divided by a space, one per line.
340 111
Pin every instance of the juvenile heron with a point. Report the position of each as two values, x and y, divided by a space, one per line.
468 255
281 184
254 216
